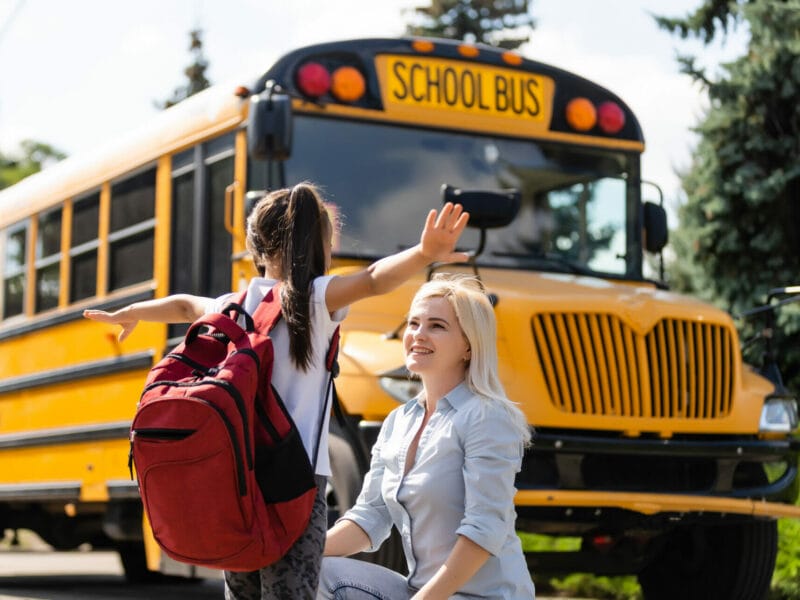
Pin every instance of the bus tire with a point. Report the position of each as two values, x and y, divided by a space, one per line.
134 562
343 489
345 482
713 562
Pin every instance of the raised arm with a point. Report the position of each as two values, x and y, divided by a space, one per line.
178 308
437 244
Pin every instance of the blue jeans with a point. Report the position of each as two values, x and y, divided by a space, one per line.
352 579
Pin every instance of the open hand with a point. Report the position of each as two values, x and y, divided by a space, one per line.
114 318
441 232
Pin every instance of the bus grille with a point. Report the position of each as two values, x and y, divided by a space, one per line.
594 364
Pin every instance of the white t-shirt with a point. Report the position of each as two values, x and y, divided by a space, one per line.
302 392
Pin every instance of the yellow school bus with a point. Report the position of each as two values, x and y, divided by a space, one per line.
655 445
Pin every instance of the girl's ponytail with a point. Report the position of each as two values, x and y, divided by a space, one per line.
302 260
285 230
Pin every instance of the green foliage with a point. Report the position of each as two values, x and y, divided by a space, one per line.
738 233
503 23
586 585
786 578
706 22
33 156
738 230
195 72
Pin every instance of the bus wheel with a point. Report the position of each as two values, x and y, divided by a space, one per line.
134 563
713 562
345 482
343 489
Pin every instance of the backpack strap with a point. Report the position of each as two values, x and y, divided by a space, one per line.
268 311
265 316
332 366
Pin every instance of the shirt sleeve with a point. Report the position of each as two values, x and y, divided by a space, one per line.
215 305
320 285
370 511
492 458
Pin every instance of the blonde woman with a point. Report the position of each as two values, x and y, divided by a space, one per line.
442 469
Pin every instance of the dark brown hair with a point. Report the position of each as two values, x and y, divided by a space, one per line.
286 230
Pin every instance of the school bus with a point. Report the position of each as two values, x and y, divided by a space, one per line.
655 445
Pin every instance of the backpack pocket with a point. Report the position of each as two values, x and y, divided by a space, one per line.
189 479
283 471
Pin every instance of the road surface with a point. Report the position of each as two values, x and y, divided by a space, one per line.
46 575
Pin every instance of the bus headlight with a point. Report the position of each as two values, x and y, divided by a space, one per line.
400 385
779 414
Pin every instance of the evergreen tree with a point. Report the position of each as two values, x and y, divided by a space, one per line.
195 72
503 23
738 231
34 157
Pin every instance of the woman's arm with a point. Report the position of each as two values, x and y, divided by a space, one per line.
465 559
178 308
437 244
345 538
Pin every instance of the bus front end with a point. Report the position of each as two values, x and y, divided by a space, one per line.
656 449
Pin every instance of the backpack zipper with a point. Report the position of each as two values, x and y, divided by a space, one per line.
232 391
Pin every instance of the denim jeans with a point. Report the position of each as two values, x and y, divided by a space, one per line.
352 579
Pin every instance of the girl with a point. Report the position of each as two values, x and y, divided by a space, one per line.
289 236
442 469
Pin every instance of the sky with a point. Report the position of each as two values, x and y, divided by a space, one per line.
76 74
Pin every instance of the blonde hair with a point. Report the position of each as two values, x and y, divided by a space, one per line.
475 315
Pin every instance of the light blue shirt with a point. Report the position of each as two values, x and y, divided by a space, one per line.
461 483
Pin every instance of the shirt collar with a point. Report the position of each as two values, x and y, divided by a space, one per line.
456 398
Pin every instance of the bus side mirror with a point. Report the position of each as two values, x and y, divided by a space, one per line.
269 127
655 227
487 210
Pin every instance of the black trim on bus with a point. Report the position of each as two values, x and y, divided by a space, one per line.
108 366
69 491
72 315
115 430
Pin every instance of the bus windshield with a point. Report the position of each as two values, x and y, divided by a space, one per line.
381 180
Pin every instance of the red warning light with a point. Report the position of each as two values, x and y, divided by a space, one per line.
313 79
610 117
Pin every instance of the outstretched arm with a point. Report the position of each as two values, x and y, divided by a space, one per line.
178 308
437 244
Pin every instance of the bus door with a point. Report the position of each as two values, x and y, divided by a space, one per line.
201 246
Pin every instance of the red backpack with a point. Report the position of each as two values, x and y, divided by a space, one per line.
222 471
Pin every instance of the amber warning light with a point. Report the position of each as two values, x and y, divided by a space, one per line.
582 115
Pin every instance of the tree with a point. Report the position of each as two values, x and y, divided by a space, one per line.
477 21
34 157
738 230
195 72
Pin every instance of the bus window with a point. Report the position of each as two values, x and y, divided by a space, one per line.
219 174
131 230
15 252
183 175
48 260
201 246
83 247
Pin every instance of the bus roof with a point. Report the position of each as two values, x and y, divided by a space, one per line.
205 114
220 109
